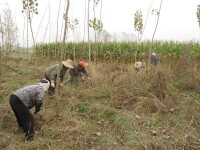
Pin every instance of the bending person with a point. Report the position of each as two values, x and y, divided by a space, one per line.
51 74
22 100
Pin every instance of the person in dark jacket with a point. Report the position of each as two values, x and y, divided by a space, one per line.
154 59
22 100
78 71
51 74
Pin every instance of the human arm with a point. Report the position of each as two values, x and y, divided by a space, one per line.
38 106
84 73
39 100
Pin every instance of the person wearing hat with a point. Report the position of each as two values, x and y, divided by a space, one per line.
139 66
22 100
51 73
78 70
154 59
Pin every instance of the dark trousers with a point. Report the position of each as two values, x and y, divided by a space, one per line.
24 117
51 90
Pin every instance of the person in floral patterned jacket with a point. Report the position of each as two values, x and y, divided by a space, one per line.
22 100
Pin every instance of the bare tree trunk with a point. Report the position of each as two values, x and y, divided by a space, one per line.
30 23
155 29
100 16
85 20
55 51
40 23
49 22
151 45
2 38
145 23
57 21
1 51
140 36
24 32
45 33
27 36
95 32
89 47
62 23
1 66
61 57
74 46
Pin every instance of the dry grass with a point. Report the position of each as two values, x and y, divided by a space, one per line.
116 110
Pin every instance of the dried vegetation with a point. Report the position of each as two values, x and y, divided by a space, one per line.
116 110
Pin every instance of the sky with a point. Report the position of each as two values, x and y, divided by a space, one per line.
178 21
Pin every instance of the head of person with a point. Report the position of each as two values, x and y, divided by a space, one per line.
68 63
44 84
154 54
82 64
138 64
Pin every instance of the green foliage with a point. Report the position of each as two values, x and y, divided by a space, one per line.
83 108
72 24
198 14
138 24
118 51
96 24
195 95
31 6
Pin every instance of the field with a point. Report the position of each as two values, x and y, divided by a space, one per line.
115 110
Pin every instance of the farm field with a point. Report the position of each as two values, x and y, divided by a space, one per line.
115 110
131 75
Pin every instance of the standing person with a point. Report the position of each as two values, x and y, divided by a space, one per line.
51 74
154 60
78 70
22 100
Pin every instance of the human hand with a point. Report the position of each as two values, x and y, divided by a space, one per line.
83 78
35 113
52 84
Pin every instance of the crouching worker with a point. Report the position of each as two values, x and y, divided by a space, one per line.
22 100
139 66
78 71
51 74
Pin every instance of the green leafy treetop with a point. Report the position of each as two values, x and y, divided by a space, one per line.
30 6
138 24
198 14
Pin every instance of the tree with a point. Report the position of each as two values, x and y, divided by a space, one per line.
72 24
65 17
156 13
8 34
30 7
8 30
97 25
1 54
198 14
105 36
157 16
88 30
138 24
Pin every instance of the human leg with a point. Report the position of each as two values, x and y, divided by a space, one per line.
13 103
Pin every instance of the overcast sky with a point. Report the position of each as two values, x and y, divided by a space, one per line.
178 19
